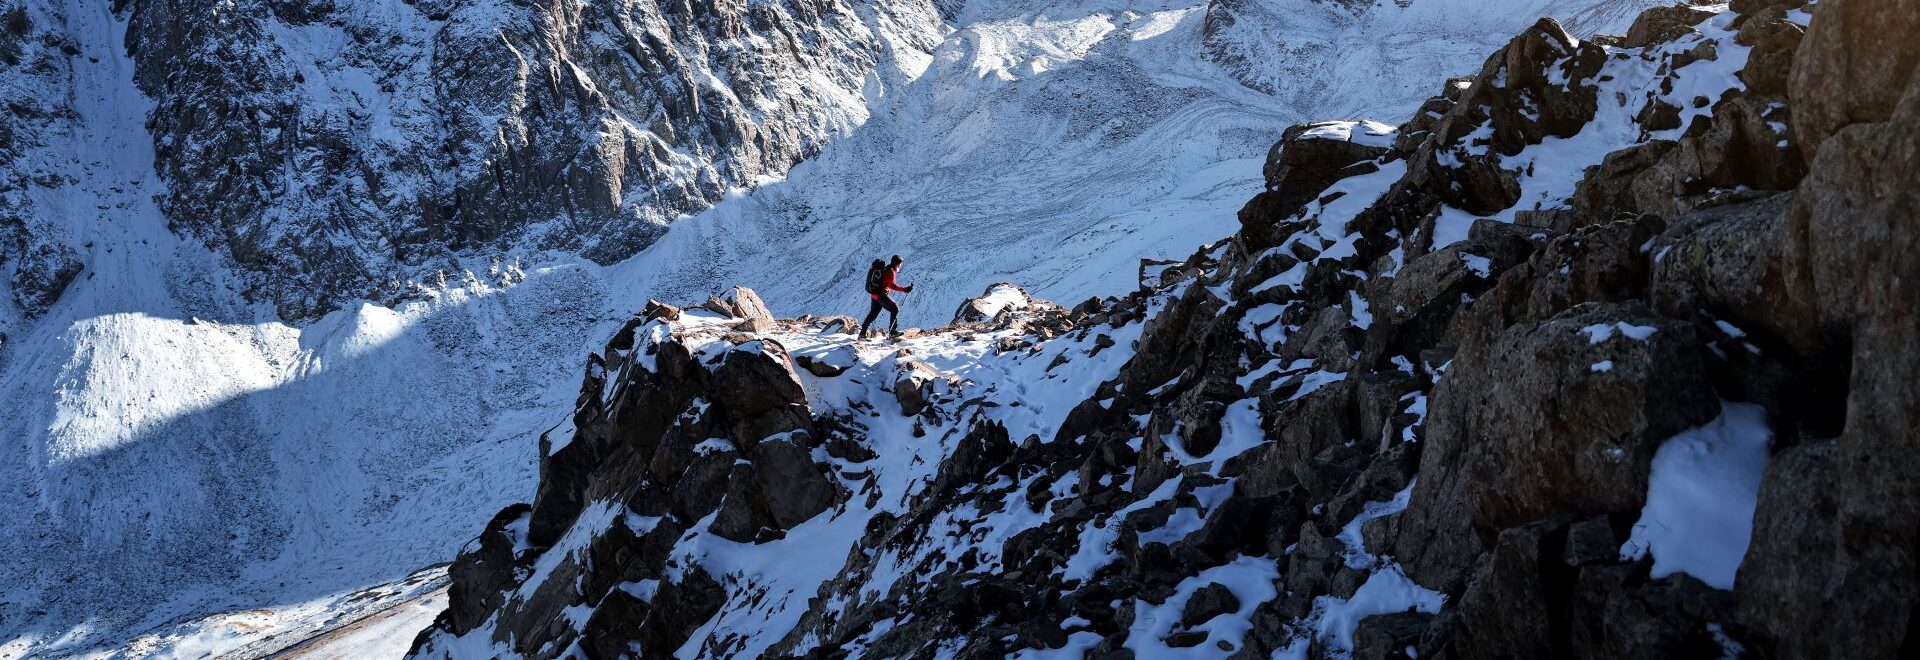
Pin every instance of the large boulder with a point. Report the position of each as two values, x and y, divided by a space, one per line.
999 298
1308 158
917 385
1774 40
1557 416
1393 636
1838 520
796 488
754 380
1664 24
1854 64
829 363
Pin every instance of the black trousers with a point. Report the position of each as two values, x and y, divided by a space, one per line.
873 312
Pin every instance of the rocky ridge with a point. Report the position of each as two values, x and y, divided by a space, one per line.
1425 403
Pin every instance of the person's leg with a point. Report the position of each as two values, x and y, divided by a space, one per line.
893 314
873 313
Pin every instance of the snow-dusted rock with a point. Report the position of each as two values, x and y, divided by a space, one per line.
999 297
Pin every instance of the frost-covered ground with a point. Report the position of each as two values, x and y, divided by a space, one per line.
198 474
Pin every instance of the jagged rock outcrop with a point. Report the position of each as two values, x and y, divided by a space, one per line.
706 426
1433 405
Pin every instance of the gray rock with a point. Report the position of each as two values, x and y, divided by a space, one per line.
1663 24
747 305
1210 601
1591 541
1527 426
1843 77
1389 636
479 578
999 298
796 489
828 364
1505 609
913 386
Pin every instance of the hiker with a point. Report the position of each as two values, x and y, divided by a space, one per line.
880 285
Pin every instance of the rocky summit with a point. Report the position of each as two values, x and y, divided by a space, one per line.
1605 352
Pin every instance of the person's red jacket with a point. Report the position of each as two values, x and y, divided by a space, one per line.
887 281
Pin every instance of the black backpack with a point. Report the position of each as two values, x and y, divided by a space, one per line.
877 277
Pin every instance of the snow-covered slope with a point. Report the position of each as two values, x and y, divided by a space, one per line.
184 452
1057 144
1368 57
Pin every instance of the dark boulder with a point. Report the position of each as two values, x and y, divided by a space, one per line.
479 578
1556 416
1390 636
1208 602
1308 158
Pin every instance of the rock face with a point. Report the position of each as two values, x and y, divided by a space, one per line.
344 150
1419 406
36 259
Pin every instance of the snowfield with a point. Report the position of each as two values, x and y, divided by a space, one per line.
194 476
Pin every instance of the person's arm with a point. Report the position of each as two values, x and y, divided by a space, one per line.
893 283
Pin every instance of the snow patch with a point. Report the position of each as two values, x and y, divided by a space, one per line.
1701 496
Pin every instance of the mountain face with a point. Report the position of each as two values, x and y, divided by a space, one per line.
1603 353
337 151
342 151
200 473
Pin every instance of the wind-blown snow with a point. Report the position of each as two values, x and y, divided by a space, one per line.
1701 496
1357 554
1386 591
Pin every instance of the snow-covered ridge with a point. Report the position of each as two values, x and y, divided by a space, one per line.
877 422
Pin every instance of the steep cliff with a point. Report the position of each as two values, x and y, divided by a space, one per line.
1602 354
340 150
